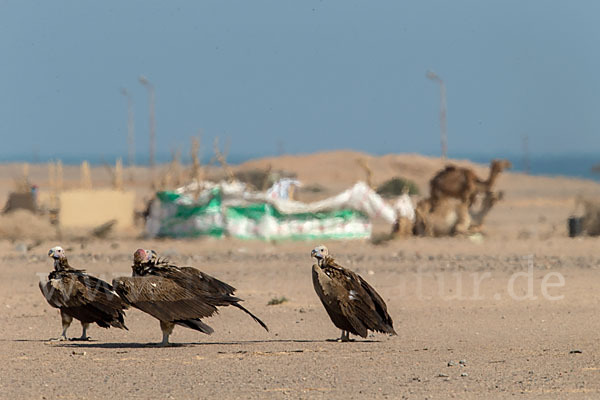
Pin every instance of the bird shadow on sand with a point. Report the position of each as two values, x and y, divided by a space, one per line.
51 340
136 345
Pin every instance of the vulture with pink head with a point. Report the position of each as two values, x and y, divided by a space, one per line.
175 295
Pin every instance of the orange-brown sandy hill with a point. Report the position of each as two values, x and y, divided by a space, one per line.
340 169
337 170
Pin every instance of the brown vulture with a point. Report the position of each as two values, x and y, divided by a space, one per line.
81 296
352 304
175 295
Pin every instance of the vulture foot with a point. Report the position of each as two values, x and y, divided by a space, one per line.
81 339
58 339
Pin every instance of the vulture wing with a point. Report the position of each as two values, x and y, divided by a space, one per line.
359 302
163 298
85 297
355 303
171 293
380 306
198 282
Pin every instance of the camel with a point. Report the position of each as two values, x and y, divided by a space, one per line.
452 216
462 183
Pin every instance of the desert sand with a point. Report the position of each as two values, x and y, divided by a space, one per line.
510 313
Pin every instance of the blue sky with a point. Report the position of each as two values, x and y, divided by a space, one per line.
304 75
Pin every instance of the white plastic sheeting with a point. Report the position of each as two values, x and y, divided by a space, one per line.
230 209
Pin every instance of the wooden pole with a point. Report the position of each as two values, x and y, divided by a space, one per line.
118 179
369 173
26 172
52 184
195 155
222 159
85 176
59 175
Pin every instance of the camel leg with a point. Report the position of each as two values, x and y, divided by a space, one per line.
426 228
464 220
417 229
475 228
422 226
472 198
429 229
466 197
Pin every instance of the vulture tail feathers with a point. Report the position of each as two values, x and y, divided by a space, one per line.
387 328
195 324
120 322
254 317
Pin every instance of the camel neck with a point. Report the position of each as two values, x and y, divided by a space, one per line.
486 206
492 177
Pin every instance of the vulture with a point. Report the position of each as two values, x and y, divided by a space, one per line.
81 296
352 304
175 295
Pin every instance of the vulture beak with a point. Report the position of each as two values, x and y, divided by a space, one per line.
316 254
52 254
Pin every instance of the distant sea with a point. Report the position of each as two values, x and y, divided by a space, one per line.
574 165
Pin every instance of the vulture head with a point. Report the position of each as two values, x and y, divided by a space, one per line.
142 256
319 252
58 255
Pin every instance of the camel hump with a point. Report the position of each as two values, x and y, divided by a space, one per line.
442 173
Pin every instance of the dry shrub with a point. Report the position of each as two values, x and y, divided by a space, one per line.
23 224
396 186
262 179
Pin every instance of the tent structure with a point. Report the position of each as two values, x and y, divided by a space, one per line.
230 209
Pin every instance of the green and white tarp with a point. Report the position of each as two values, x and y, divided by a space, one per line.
225 209
177 215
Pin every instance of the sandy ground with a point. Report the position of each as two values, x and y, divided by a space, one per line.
516 306
452 301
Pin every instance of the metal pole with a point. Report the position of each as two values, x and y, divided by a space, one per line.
130 129
443 127
144 81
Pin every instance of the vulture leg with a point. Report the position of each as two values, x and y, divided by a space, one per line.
66 322
345 336
167 329
84 335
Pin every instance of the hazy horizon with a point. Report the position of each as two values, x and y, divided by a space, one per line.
573 165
